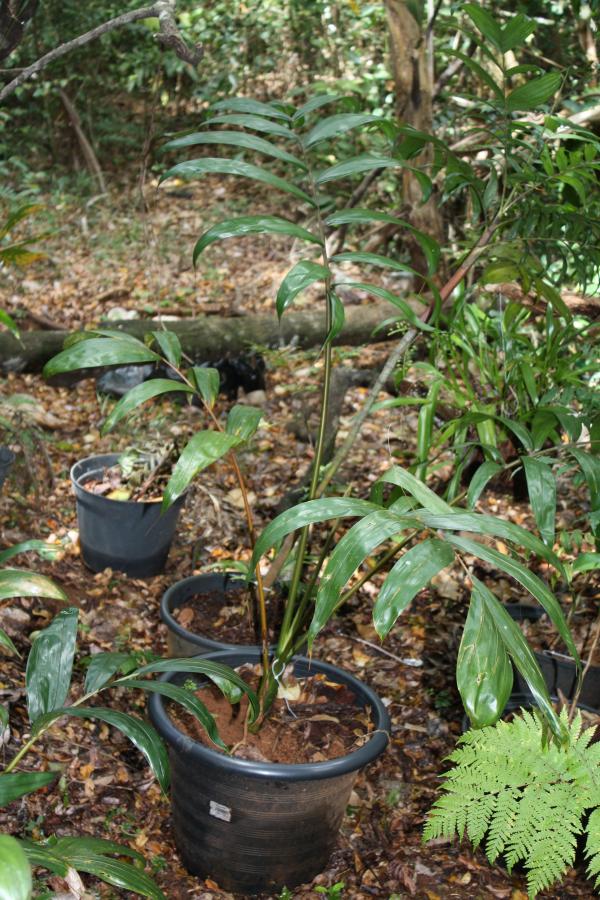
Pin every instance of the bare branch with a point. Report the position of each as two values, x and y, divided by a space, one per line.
163 10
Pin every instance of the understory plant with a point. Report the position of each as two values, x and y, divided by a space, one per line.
417 532
51 696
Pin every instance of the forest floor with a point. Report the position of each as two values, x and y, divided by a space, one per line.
110 255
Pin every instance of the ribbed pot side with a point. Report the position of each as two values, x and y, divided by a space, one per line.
254 826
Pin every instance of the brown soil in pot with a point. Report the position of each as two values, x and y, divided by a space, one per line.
318 720
231 618
113 486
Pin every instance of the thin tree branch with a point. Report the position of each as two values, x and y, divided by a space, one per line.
163 10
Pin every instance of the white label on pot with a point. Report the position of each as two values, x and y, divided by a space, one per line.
219 811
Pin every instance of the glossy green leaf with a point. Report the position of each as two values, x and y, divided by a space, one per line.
484 674
228 681
534 93
74 844
170 346
113 351
44 549
338 316
520 653
586 562
50 663
415 487
249 105
243 421
194 168
315 103
494 527
349 554
300 276
256 123
486 24
142 735
515 32
103 666
307 514
425 429
185 698
252 225
430 247
384 262
406 312
17 784
19 583
590 466
410 574
208 383
7 644
40 854
541 485
479 72
335 125
236 139
483 474
367 162
15 871
139 394
202 450
530 582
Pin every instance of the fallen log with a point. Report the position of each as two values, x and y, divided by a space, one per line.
209 338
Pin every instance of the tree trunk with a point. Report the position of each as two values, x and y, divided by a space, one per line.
413 75
209 338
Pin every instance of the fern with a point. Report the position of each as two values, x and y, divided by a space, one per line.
525 797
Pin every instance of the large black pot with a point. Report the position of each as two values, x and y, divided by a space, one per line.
257 826
180 641
7 457
131 537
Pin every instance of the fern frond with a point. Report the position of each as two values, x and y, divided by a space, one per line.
524 797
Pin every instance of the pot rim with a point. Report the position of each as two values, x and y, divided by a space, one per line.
341 765
107 459
193 637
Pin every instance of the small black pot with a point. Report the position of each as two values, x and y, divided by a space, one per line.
131 537
523 612
257 826
180 641
7 458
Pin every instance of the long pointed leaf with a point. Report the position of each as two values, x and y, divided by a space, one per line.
301 276
142 735
15 785
249 105
415 487
236 139
252 225
541 485
7 643
306 514
520 653
50 664
99 352
243 421
185 698
352 550
226 679
338 124
407 313
194 168
202 450
19 583
484 675
15 871
103 666
315 103
530 582
483 474
139 394
380 261
410 574
256 123
356 166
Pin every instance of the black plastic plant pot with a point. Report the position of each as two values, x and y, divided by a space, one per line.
560 675
128 536
524 612
7 458
259 826
180 641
